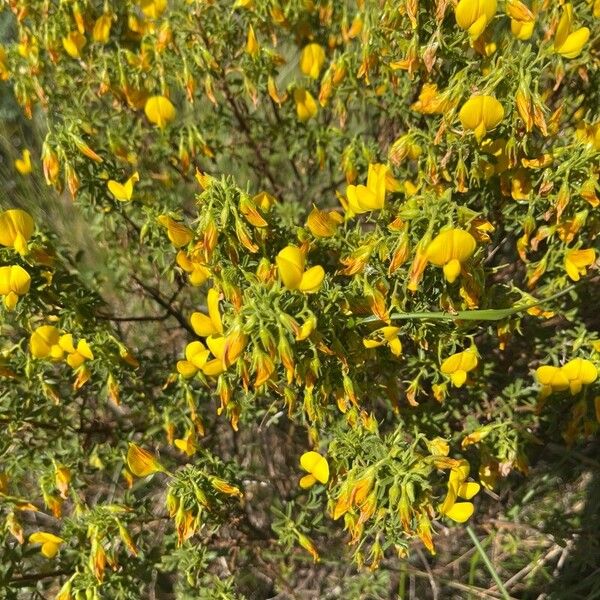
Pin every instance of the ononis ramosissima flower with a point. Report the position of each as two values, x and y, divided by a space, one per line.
569 43
450 249
23 164
306 105
178 233
293 273
14 282
480 114
577 262
317 468
456 366
365 198
474 16
459 487
160 111
16 228
571 376
311 60
123 191
50 543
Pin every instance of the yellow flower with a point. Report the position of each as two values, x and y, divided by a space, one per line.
204 325
474 15
430 101
522 30
188 444
569 43
75 356
73 43
311 60
141 462
363 198
458 487
123 191
159 110
306 106
101 30
192 264
226 350
323 223
179 234
252 47
14 282
16 227
23 164
153 8
291 267
50 542
386 335
577 261
579 372
45 343
456 366
522 20
317 468
552 379
480 114
196 356
450 249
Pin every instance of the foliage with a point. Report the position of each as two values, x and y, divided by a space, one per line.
287 282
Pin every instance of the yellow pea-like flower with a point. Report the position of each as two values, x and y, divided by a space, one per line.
23 164
450 249
522 30
76 356
193 265
50 543
387 335
458 365
226 350
579 372
291 267
480 114
211 324
14 282
16 228
552 379
178 233
74 43
317 468
569 43
141 462
101 30
306 105
187 444
312 59
577 262
153 9
252 47
474 15
123 191
458 487
45 343
159 110
196 356
323 223
365 198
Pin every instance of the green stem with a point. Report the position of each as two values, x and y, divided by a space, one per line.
490 314
488 563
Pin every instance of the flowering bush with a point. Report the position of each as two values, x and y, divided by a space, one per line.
335 275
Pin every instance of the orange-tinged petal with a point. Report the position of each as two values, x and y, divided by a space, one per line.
141 462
